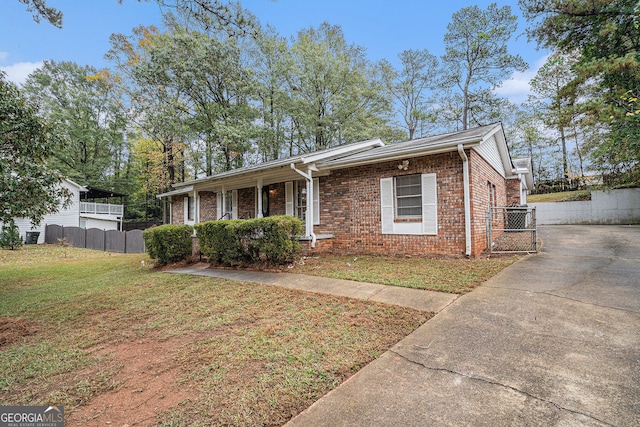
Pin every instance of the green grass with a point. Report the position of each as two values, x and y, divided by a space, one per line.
564 196
445 275
247 354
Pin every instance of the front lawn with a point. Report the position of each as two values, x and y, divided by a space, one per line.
117 342
445 275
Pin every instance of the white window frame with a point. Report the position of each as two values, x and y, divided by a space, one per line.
425 224
398 197
222 204
291 194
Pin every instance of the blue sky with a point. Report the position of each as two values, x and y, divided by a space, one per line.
383 27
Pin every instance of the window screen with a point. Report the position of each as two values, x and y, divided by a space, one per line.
408 193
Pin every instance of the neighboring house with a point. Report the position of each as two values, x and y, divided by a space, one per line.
427 196
80 213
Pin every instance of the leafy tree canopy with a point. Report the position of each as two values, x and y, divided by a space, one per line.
476 56
606 34
28 188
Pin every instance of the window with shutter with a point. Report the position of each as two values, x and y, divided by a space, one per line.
409 204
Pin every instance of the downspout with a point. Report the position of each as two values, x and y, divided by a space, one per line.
467 200
309 218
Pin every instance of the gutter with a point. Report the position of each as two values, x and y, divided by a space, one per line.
309 218
467 200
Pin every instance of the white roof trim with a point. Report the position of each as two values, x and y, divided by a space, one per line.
75 184
182 190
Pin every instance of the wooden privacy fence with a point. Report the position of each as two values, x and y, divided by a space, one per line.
130 242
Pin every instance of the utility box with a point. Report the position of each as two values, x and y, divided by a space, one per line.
32 238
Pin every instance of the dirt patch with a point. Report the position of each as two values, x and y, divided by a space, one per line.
147 385
12 329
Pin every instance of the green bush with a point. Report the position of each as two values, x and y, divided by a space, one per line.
169 243
10 236
271 241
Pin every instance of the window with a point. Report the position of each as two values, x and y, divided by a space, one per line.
491 190
413 198
228 205
191 208
408 196
300 191
296 199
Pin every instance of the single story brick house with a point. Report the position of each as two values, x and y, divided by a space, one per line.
425 197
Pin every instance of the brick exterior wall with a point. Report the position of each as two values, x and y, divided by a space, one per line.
277 199
513 192
480 174
177 209
350 207
247 202
208 206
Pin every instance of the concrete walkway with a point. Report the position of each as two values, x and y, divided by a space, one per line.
553 340
413 298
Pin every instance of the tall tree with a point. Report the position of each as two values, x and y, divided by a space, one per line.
270 60
476 56
606 34
335 98
154 106
84 112
411 85
28 187
552 94
215 88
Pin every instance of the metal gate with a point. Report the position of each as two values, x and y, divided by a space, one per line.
512 229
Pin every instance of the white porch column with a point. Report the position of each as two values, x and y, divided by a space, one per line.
259 196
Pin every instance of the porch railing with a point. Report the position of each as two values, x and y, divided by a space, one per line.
101 208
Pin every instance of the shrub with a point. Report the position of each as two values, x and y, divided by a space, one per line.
10 236
169 243
272 240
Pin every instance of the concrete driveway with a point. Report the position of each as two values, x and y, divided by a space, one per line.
552 340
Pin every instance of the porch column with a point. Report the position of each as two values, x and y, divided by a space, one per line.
196 207
259 196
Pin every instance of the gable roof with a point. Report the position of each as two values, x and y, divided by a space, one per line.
489 141
423 146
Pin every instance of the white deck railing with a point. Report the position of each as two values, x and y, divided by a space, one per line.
101 208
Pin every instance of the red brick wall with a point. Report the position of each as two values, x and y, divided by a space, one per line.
247 202
513 192
277 199
350 209
480 173
208 206
177 209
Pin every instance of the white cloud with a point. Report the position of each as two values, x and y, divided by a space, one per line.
17 73
3 55
517 87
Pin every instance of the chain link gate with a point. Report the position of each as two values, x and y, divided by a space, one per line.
512 229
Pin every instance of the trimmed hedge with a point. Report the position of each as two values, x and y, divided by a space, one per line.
169 243
272 240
